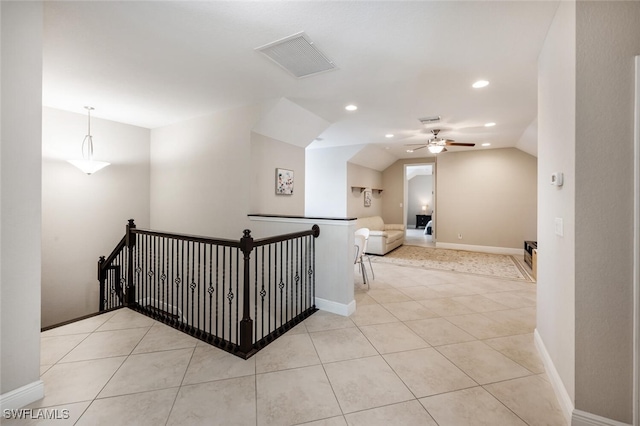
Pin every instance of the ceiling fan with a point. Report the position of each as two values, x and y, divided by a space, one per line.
437 145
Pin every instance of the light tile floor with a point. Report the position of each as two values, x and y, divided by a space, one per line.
423 348
416 237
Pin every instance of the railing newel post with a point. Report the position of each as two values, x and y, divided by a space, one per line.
101 280
130 243
129 273
246 324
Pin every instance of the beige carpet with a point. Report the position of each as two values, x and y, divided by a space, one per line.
493 265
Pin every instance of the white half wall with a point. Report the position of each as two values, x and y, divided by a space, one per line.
84 216
334 257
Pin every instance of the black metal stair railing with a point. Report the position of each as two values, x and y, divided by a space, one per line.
210 288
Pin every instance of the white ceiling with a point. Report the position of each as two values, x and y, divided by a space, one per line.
151 64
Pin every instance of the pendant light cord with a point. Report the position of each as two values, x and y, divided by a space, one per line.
88 137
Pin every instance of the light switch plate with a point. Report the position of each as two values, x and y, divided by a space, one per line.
559 227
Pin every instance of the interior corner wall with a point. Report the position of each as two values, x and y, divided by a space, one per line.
200 178
267 155
556 153
393 185
326 180
20 199
359 176
487 196
84 216
420 193
607 39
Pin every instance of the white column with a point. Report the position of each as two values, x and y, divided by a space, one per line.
20 202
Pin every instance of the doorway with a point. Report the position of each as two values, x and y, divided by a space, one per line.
419 204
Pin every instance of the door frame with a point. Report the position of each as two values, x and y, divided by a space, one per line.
636 250
405 194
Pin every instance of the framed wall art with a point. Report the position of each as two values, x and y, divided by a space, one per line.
367 197
284 182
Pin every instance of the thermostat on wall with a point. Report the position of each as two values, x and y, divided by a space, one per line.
556 178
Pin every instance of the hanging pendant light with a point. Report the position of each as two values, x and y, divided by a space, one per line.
88 165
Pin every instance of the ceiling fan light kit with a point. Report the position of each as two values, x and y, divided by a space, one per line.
438 145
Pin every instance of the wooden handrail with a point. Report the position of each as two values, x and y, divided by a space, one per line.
187 237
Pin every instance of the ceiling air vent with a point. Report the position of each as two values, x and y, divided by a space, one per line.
298 55
429 120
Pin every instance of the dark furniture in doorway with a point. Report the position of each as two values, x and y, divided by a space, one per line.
529 246
422 220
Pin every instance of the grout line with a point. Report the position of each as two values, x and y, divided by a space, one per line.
360 330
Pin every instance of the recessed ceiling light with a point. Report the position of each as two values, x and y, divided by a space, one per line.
480 83
409 150
486 144
490 124
351 107
389 135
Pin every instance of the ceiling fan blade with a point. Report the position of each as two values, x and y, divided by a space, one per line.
459 144
423 146
414 144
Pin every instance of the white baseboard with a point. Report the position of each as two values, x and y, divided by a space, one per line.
20 397
581 418
482 249
566 405
335 307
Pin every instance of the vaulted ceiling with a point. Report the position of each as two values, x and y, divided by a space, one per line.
151 64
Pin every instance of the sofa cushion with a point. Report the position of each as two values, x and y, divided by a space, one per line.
374 223
393 236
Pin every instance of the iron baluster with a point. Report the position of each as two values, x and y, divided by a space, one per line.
146 272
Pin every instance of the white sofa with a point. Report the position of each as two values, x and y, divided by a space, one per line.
382 238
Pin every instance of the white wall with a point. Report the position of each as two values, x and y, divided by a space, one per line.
84 217
393 184
487 196
326 192
360 176
20 202
200 174
267 154
608 38
556 153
